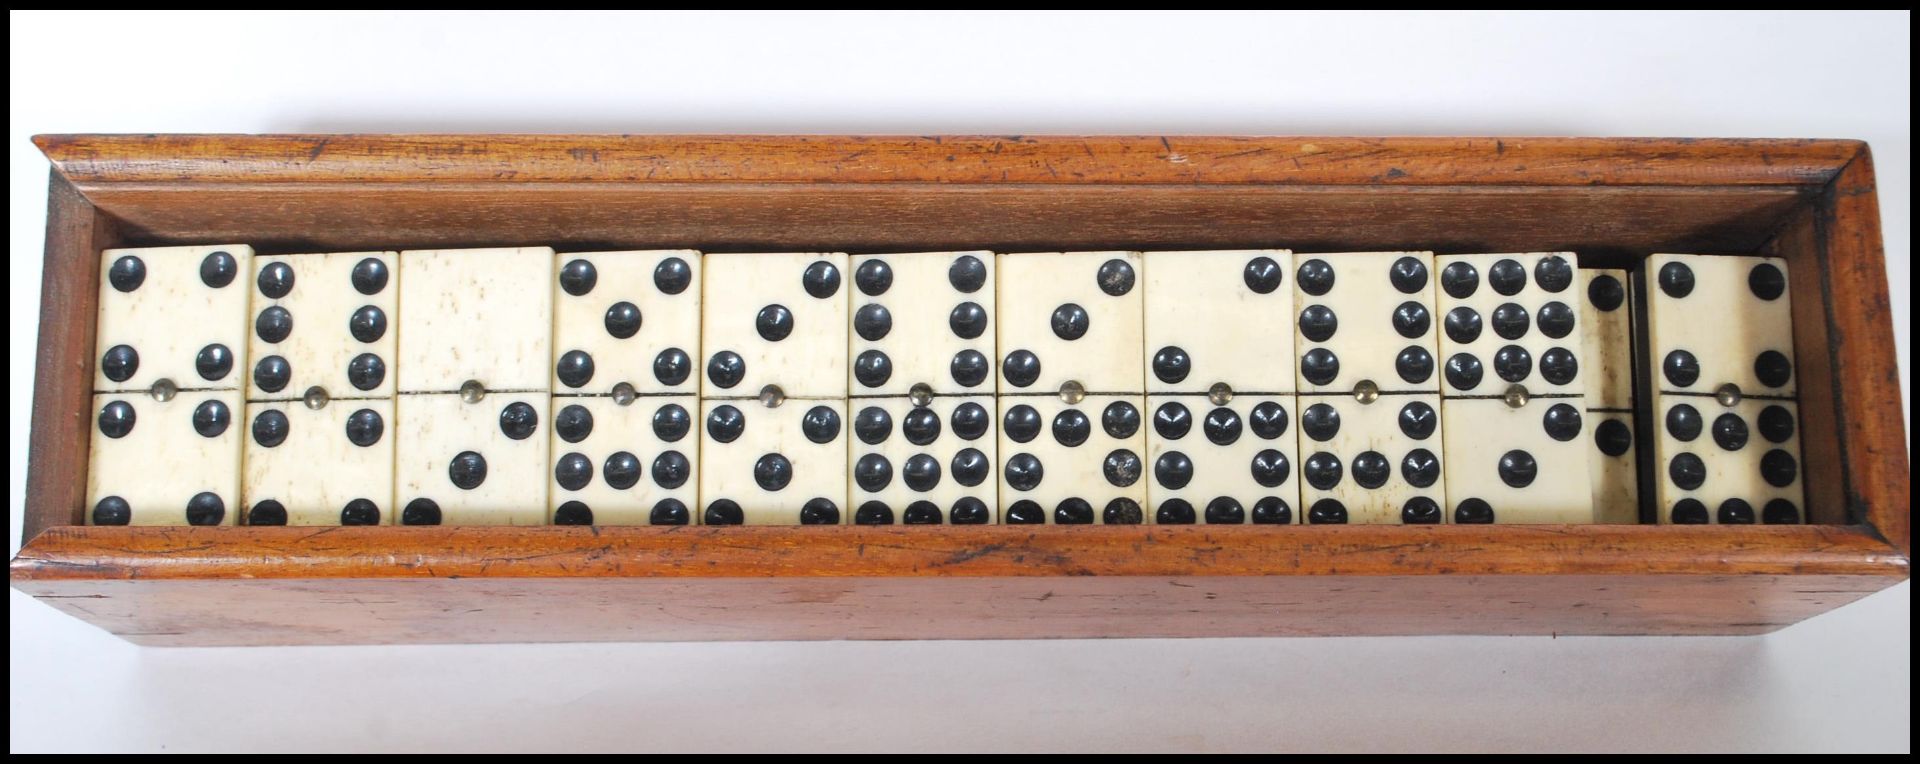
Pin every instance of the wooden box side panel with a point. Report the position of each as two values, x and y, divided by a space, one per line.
94 160
1865 373
185 553
63 363
1855 448
1615 222
440 610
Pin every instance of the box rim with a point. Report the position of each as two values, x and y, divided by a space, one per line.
95 161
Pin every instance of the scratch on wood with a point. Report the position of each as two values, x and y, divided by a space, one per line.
971 554
1172 157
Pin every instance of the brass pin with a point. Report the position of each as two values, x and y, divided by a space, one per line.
1072 392
1365 391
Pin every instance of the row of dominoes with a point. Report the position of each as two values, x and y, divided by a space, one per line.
521 386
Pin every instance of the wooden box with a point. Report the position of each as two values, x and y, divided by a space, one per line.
1812 202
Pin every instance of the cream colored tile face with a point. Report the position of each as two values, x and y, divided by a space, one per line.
775 319
1365 316
624 465
925 318
785 465
173 313
630 317
1230 464
323 320
1378 462
1727 464
1073 464
1506 320
165 463
1219 317
1606 331
1715 320
1073 316
1517 465
1606 338
484 463
1610 467
331 466
475 314
921 465
1723 454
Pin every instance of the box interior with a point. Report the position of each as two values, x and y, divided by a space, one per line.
1609 226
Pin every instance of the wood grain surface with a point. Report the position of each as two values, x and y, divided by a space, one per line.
167 552
93 160
1861 371
1612 221
1613 200
63 363
493 609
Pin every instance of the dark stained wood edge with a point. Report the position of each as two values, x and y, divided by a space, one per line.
874 217
1824 470
92 161
1865 373
63 375
98 553
471 610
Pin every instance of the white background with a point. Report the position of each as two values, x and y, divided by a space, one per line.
1840 681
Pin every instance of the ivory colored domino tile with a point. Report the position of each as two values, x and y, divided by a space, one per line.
1606 330
1222 464
1365 317
631 317
924 464
323 320
1509 319
1721 464
1378 462
173 462
784 465
1606 338
479 463
1071 317
326 466
1072 464
624 464
475 314
172 313
1219 317
1716 320
923 319
1517 465
1720 346
1615 479
775 319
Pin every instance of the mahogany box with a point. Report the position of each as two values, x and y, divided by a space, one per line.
1809 201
